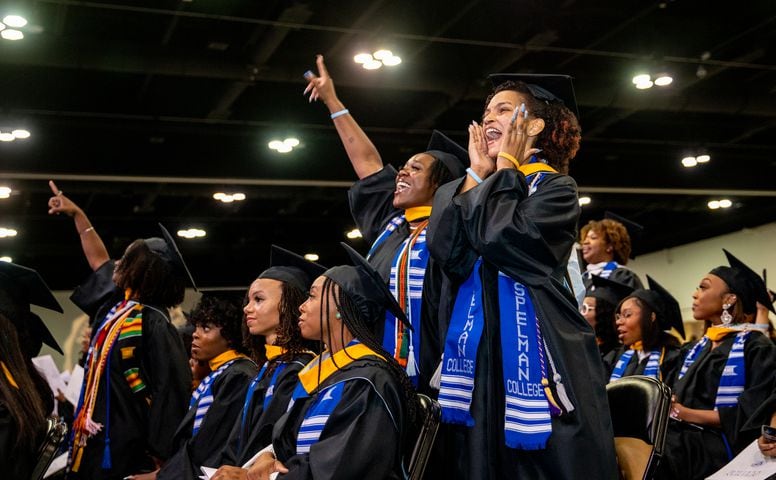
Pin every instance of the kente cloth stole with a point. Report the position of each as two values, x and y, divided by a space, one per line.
406 283
529 398
733 379
121 327
311 377
651 370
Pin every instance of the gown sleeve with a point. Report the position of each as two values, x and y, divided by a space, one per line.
165 369
359 428
446 236
371 202
525 237
96 290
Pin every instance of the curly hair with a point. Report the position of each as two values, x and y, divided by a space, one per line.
615 234
149 277
562 135
222 310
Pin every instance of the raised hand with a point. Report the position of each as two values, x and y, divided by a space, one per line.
481 163
515 141
320 86
59 203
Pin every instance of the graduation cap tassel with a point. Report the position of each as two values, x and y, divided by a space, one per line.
412 366
106 461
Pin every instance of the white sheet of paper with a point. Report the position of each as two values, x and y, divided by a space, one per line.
46 366
208 472
750 464
56 465
73 391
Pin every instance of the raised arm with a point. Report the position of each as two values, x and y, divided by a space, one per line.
361 152
91 243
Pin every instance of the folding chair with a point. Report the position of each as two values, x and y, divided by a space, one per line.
639 408
55 435
431 414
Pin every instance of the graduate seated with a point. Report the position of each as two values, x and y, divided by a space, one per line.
599 308
724 379
22 416
272 318
643 320
218 399
352 407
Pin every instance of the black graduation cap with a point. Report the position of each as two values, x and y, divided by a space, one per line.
24 287
366 287
745 283
608 290
454 156
635 230
287 266
167 249
546 87
663 303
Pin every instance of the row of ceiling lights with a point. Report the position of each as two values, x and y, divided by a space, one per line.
691 161
373 61
10 25
643 81
15 134
713 204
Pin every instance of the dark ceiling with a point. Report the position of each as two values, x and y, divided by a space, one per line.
142 109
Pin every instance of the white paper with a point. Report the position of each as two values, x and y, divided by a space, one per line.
750 464
56 465
46 366
208 472
73 391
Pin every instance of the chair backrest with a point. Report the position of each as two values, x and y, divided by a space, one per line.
55 435
639 408
431 413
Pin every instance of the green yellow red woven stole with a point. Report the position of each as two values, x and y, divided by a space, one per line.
122 328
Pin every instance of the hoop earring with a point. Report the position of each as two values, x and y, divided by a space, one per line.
726 317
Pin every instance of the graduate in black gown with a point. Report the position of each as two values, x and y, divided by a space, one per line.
391 210
725 377
272 314
354 403
506 232
137 378
599 307
21 287
22 417
644 319
606 248
217 401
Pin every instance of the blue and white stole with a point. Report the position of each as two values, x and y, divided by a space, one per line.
528 399
310 378
408 270
652 369
271 353
733 379
603 270
202 398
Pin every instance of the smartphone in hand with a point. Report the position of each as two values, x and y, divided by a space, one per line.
769 433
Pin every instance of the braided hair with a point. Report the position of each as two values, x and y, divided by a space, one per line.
354 319
562 134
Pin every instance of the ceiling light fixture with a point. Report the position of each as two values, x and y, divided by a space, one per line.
192 233
717 204
643 81
15 21
663 79
353 234
21 133
585 200
7 232
703 158
5 192
373 61
283 146
313 257
689 162
229 197
6 258
11 34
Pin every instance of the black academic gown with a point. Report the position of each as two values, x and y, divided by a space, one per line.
668 367
141 426
621 274
203 449
371 204
362 438
529 239
694 453
242 445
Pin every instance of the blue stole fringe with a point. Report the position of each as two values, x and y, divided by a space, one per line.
733 379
